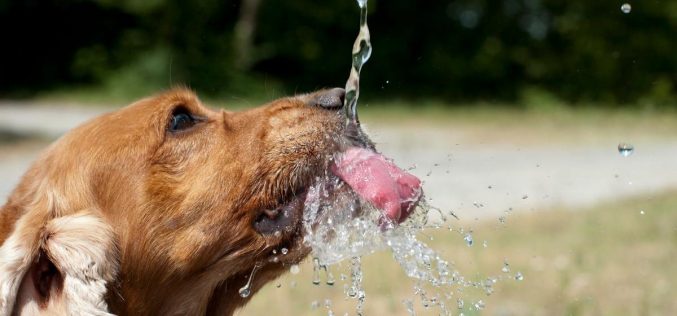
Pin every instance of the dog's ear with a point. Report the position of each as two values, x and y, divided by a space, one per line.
57 266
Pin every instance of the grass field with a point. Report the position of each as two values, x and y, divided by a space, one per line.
609 260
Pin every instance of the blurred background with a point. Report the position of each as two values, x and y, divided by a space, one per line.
511 111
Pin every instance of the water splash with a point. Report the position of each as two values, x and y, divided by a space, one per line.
338 229
246 290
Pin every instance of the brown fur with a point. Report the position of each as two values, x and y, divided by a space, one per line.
180 206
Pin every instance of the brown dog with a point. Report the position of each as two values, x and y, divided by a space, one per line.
165 207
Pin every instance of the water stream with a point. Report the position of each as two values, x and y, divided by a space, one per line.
361 54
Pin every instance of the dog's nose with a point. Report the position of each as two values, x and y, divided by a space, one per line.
331 99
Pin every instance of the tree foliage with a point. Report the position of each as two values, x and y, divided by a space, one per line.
576 50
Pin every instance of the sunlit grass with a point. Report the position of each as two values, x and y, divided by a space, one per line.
606 260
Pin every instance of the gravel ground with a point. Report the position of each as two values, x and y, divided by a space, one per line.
474 179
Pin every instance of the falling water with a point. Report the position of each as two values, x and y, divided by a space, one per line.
316 271
246 290
361 53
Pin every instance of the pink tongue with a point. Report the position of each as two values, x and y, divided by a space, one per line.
380 182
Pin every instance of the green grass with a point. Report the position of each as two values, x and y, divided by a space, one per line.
607 260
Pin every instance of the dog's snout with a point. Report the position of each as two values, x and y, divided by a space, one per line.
330 99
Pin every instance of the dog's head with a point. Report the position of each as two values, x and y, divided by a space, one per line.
185 202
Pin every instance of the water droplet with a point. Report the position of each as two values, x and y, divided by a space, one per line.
641 212
468 239
484 244
479 305
519 276
524 197
277 234
490 187
626 8
316 271
330 277
625 149
284 251
460 303
410 307
502 219
314 305
279 285
489 286
506 267
246 290
295 269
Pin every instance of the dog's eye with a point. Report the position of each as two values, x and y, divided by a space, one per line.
181 120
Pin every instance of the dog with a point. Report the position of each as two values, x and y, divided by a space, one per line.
165 207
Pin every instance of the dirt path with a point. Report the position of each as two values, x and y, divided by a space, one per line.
475 179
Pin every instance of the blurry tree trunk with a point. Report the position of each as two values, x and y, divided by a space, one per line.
245 29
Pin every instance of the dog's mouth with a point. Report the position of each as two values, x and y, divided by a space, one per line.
356 170
283 218
371 178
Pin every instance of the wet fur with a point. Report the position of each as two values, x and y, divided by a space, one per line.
121 216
